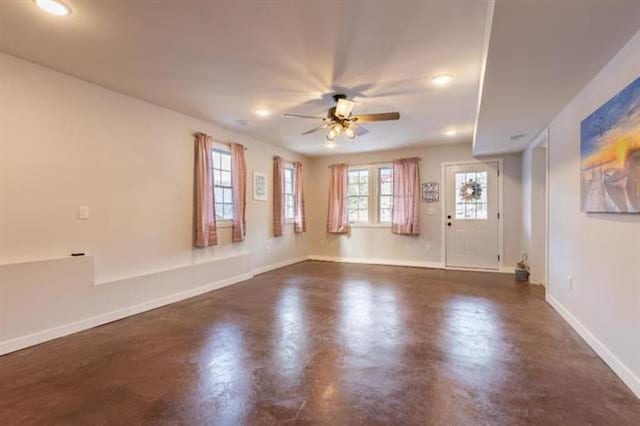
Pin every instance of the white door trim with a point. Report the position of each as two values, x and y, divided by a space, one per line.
443 207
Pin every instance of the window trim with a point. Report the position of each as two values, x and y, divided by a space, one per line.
222 149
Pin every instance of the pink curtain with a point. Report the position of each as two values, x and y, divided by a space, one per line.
239 188
278 196
300 222
406 197
205 220
337 217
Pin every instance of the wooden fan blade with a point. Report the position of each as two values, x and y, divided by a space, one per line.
302 116
315 129
386 116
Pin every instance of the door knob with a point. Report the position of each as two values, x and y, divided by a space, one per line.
448 223
449 216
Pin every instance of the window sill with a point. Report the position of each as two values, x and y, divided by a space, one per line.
224 223
370 225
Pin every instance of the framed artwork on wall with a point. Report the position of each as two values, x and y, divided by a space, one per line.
430 192
259 186
610 155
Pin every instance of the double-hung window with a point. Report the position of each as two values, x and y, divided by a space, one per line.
222 184
370 197
385 194
358 184
289 191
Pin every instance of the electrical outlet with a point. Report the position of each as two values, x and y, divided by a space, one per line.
570 279
83 212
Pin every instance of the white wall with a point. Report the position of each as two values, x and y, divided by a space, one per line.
378 243
600 251
65 143
534 197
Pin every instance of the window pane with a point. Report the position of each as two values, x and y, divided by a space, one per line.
216 177
353 215
225 178
363 189
471 195
216 160
228 211
219 210
353 203
225 163
227 195
363 216
217 193
385 202
363 203
385 215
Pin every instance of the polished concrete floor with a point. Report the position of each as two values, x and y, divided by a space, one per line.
325 343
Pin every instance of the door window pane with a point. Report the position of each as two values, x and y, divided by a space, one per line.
471 195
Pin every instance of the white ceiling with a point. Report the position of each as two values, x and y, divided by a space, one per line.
541 54
218 60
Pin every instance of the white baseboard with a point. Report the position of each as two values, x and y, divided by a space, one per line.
625 374
74 327
278 265
389 262
87 323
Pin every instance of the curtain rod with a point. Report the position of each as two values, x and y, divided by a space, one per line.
287 160
217 140
373 163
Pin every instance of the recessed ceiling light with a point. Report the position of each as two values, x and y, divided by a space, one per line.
261 112
451 133
54 7
442 80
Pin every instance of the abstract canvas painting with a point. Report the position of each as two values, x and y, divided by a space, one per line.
610 155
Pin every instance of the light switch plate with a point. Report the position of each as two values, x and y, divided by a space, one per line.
83 212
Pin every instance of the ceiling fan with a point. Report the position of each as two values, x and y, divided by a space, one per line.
339 119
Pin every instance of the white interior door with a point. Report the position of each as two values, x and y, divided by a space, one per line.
472 208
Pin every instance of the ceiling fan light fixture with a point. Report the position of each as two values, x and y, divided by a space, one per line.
262 112
344 108
350 132
331 135
53 7
451 133
442 80
338 129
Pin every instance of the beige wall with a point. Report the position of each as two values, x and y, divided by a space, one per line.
378 243
601 252
65 143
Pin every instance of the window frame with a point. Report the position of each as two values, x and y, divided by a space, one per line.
359 170
222 150
289 167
